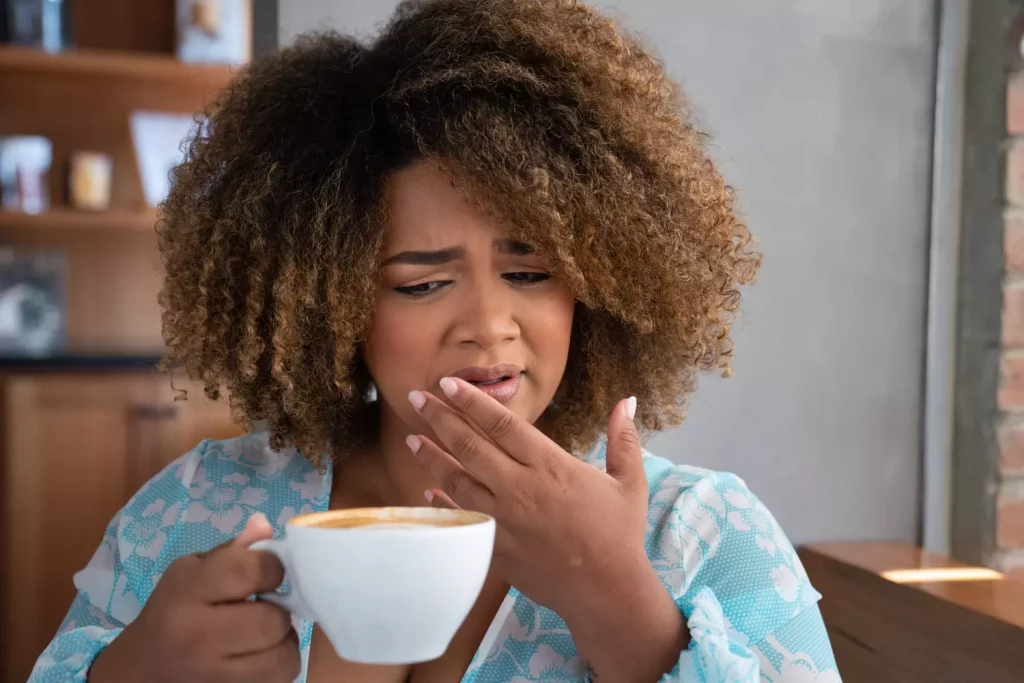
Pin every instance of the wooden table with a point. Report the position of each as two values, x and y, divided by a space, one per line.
899 614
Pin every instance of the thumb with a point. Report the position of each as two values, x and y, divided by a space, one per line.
624 453
257 528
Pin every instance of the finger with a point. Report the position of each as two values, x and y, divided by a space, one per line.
624 452
280 662
235 573
458 484
481 458
439 499
512 434
249 627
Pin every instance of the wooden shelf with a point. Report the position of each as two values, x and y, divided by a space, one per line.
79 221
118 65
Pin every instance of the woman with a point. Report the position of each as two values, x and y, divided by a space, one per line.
445 265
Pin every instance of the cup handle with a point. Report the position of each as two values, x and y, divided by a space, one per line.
290 599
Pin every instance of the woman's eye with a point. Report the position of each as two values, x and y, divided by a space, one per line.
526 278
424 288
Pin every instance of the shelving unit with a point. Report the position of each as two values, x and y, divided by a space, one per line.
82 101
114 64
84 430
13 223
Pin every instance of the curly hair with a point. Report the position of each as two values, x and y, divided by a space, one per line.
561 125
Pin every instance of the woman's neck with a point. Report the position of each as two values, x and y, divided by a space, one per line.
386 474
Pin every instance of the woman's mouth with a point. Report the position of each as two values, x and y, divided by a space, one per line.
500 382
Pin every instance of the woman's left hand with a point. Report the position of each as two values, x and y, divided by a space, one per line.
567 532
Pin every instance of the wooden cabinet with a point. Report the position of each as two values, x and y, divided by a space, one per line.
75 447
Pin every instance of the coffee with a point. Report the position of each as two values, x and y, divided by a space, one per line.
346 522
391 518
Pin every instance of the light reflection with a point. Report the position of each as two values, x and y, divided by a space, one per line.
940 574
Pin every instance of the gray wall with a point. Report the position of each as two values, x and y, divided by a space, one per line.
822 116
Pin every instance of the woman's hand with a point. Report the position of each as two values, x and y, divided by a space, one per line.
198 624
570 536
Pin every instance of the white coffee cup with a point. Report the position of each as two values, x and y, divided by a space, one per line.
386 585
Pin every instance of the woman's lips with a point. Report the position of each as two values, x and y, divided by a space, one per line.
501 390
500 382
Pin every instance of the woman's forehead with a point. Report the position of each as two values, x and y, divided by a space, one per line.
426 210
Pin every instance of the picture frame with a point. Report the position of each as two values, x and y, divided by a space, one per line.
214 31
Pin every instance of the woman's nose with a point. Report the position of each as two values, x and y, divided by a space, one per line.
487 318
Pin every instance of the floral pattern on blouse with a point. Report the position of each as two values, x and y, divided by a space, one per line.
752 613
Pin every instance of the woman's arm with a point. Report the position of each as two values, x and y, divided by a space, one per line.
634 634
798 651
722 561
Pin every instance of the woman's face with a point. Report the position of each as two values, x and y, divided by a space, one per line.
459 298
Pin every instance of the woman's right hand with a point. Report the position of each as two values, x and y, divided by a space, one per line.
198 624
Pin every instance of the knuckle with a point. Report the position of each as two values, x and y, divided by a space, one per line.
521 499
502 426
454 482
276 623
556 473
630 439
466 443
241 572
551 468
179 568
187 635
470 401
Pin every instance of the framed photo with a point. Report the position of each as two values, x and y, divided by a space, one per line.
159 139
214 31
32 301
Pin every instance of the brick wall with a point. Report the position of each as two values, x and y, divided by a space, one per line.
1010 427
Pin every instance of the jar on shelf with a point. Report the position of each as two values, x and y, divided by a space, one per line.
24 169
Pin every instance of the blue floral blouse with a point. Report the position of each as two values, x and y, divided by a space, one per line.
752 614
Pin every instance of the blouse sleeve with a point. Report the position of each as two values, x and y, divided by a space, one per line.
120 576
751 610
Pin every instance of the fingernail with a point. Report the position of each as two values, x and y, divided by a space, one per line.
413 442
417 399
429 495
631 407
449 386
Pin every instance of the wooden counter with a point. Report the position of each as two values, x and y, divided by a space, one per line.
898 614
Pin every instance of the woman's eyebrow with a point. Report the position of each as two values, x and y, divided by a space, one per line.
425 258
442 256
513 247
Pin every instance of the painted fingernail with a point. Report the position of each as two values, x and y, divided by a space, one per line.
413 442
449 386
257 518
417 399
631 407
429 495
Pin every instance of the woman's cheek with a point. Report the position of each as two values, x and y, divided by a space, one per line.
400 353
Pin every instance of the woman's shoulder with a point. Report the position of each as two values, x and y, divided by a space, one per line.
224 481
205 496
